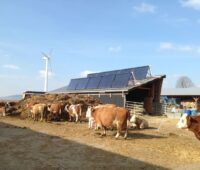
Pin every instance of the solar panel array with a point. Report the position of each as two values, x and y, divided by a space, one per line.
109 79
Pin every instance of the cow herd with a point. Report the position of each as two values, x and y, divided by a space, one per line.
104 116
54 111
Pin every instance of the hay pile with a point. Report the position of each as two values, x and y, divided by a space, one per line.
20 108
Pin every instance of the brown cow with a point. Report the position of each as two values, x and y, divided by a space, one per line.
74 111
29 107
193 124
3 110
190 122
108 116
89 111
39 110
55 111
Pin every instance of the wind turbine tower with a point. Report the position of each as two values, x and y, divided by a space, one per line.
46 58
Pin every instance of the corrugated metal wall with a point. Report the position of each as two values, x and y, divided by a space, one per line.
112 99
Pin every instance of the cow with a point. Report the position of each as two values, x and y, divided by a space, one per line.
90 118
139 122
108 116
29 107
91 121
39 110
3 110
74 111
55 111
192 123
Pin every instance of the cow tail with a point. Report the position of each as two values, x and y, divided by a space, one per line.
128 117
45 112
66 108
80 110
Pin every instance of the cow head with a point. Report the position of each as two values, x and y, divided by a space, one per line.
182 124
133 119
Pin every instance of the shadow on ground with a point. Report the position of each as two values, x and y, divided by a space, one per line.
22 148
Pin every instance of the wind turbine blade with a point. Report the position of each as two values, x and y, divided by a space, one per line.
50 66
45 55
50 52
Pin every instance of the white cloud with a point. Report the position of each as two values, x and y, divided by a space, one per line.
198 50
42 74
184 48
179 47
11 66
166 45
115 49
86 72
145 8
195 4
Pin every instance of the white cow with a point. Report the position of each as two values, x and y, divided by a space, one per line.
74 110
90 118
182 123
138 122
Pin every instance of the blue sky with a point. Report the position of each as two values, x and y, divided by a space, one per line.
96 35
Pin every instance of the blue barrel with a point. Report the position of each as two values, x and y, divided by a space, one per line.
193 112
188 112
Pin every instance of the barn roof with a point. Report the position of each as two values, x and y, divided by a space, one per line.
111 81
192 91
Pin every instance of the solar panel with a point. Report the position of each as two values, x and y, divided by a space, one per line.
109 79
141 72
121 80
106 81
125 71
93 82
82 83
72 85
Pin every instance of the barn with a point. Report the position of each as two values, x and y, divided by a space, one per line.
121 87
188 97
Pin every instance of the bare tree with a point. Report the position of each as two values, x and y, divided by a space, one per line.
184 82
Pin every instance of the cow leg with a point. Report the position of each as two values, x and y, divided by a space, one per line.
76 120
89 123
126 133
119 126
41 116
34 117
104 131
70 118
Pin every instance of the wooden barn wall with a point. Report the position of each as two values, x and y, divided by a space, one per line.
111 99
137 95
148 94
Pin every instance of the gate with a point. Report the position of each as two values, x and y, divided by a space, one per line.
135 107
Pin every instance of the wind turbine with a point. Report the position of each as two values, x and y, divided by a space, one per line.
47 59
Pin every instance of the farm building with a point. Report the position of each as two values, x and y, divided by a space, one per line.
188 97
121 87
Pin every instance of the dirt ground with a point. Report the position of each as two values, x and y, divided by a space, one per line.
26 144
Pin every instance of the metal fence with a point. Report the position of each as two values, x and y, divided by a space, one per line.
135 107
